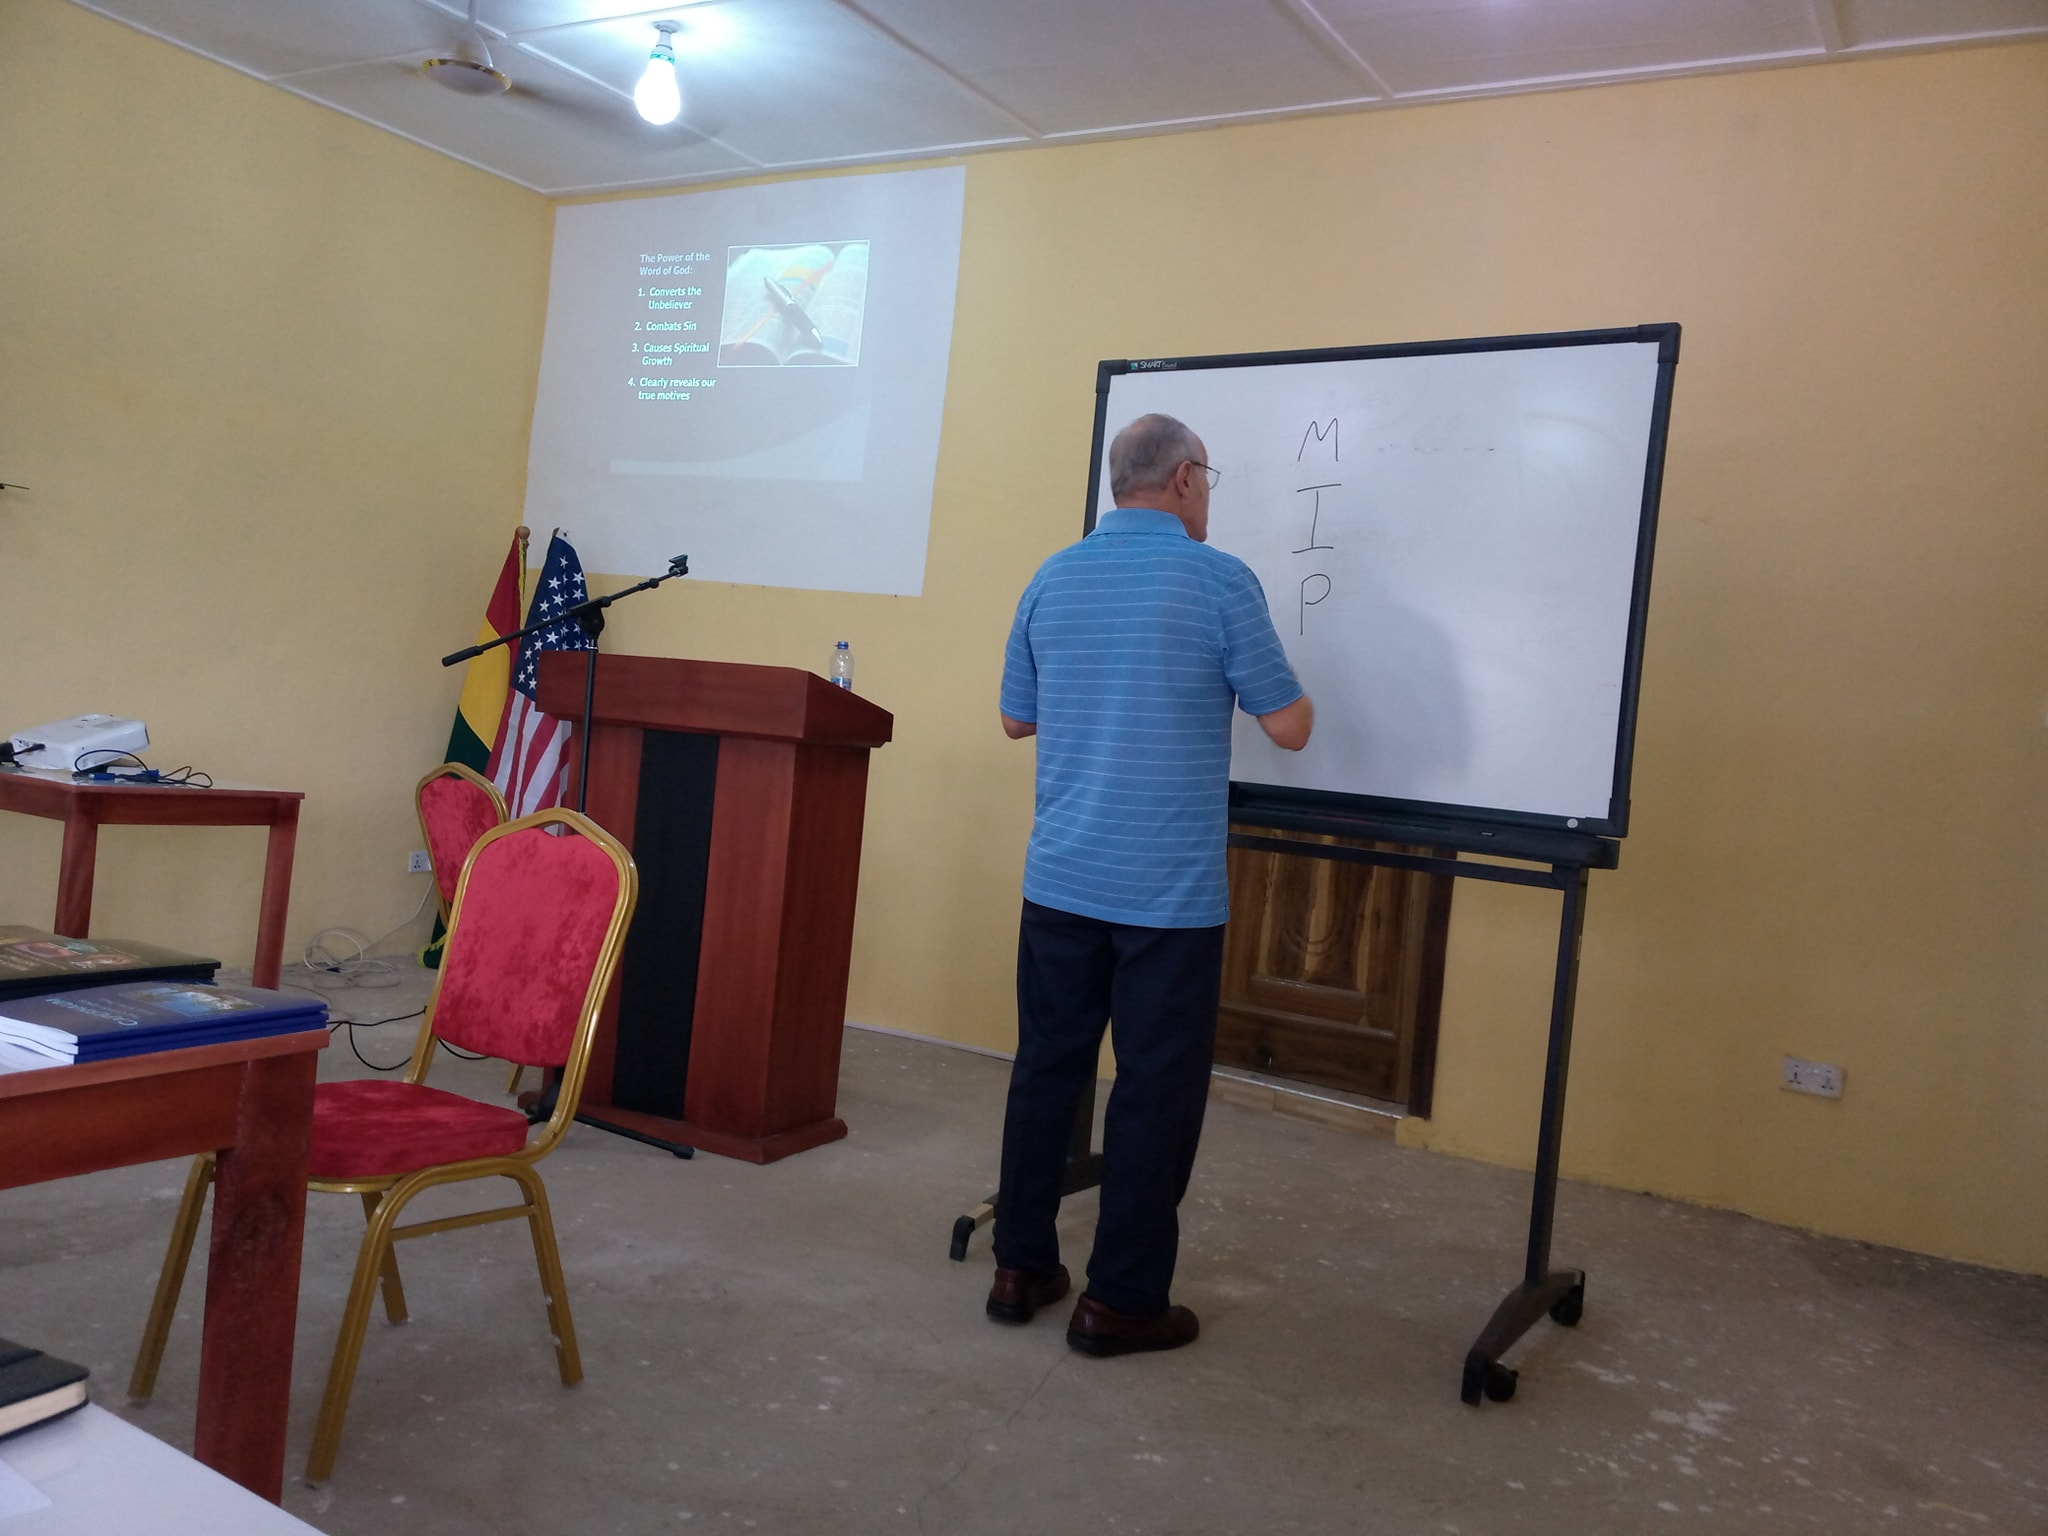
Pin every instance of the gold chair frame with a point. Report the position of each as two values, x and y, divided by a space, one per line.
385 1196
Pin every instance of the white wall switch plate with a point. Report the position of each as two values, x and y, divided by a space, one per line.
1817 1077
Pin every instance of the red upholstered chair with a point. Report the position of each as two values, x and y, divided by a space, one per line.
538 922
457 805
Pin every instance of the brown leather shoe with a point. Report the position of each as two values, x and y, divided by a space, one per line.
1017 1293
1099 1330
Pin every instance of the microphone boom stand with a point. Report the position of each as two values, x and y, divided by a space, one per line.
589 617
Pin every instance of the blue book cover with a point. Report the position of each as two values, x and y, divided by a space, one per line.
106 1047
125 1017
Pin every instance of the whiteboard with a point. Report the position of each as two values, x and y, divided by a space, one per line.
1454 539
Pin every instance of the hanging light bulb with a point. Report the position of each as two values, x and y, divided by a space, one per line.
658 96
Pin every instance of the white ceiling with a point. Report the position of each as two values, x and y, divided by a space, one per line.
777 85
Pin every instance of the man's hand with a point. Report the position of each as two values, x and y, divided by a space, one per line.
1017 730
1287 728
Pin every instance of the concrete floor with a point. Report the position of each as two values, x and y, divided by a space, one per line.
788 1349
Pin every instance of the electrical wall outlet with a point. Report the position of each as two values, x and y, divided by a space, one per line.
417 863
1819 1077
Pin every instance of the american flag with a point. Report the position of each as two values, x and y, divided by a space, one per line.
530 763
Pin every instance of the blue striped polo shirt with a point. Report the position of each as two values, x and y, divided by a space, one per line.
1129 650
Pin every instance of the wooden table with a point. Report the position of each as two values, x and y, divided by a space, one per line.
85 808
251 1101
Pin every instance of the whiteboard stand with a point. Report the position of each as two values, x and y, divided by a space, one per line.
1084 1171
1559 1294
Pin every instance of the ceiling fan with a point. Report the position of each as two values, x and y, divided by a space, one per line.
467 67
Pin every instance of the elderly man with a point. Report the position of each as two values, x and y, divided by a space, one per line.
1129 651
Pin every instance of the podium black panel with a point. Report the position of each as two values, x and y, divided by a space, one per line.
658 972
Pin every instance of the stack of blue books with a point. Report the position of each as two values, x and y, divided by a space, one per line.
128 1018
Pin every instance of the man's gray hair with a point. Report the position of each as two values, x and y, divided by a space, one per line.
1144 455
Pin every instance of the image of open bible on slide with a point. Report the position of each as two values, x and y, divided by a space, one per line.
793 305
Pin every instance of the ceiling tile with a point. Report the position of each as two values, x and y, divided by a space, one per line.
1067 66
1877 22
790 82
523 18
275 37
1466 45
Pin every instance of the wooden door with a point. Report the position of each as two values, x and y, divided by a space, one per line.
1333 972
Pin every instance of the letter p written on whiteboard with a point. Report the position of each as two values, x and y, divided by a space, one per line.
1289 726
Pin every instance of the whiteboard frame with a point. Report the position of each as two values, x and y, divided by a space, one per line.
1333 811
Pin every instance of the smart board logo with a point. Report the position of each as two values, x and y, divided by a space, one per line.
1154 365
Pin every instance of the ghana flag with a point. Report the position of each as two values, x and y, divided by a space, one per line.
487 679
486 685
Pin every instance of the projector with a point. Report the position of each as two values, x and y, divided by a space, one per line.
59 745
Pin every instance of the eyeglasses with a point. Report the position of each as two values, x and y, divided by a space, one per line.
1213 475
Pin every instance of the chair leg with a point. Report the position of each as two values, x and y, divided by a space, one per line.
171 1281
542 1224
348 1346
512 1082
394 1289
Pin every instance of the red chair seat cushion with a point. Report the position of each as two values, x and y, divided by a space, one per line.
375 1127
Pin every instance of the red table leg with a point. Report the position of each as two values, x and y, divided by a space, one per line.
277 894
74 872
252 1283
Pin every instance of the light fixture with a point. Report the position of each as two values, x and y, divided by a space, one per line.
658 96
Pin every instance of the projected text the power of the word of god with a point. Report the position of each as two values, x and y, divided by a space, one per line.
666 345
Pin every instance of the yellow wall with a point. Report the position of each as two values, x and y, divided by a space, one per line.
268 373
1842 771
1839 794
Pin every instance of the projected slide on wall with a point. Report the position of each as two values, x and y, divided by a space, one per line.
752 377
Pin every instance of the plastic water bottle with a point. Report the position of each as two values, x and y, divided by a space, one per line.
842 666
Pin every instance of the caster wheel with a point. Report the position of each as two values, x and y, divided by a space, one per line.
1570 1307
1487 1379
963 1229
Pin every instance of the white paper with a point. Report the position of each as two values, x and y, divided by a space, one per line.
18 1496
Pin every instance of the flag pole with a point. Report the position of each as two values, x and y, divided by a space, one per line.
524 536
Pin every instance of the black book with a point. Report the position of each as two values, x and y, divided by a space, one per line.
34 961
35 1387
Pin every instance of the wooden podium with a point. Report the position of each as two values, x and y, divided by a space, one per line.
741 791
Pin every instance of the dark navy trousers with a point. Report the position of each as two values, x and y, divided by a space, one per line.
1156 989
